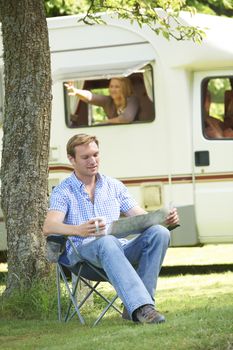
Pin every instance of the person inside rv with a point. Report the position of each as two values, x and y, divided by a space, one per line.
108 197
213 126
228 119
121 106
218 116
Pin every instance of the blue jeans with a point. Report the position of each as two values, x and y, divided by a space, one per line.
133 268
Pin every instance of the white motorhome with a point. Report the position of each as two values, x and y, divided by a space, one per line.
168 153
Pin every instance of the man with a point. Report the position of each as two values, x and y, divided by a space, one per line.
87 194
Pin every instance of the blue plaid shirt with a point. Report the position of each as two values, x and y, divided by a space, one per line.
111 198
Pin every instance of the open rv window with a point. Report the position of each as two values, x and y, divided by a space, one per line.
217 107
139 102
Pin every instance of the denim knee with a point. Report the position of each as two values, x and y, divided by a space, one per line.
109 243
160 233
164 234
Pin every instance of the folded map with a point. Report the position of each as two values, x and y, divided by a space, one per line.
137 224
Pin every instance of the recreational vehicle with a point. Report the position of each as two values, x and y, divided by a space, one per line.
179 147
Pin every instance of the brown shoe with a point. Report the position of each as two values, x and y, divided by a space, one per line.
125 315
148 314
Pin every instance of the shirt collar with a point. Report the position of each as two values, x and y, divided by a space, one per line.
80 184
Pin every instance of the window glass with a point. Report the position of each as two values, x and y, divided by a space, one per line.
114 101
217 107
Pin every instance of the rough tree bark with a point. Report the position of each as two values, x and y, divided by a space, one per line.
26 128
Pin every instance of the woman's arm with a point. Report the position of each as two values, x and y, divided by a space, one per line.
84 95
87 96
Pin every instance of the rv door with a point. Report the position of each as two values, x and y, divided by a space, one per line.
213 155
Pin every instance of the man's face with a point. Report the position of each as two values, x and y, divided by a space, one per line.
86 161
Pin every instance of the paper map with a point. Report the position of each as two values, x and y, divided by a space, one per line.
137 224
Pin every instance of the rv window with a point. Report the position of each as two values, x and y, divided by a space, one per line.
217 107
139 107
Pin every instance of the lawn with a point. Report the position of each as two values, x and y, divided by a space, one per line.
198 310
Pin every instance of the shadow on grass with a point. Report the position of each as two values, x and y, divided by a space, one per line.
175 270
195 269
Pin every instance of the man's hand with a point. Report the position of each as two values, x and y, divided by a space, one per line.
54 225
172 218
94 227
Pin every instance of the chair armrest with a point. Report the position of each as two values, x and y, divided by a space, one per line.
57 238
55 247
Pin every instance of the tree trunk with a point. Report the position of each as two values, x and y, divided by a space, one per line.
26 127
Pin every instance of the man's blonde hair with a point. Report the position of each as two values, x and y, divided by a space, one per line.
77 140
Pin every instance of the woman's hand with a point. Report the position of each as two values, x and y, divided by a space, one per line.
72 91
84 95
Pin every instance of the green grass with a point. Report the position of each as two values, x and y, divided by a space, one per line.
198 310
209 254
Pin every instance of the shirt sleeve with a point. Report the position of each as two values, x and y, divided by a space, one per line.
58 201
99 100
131 109
125 199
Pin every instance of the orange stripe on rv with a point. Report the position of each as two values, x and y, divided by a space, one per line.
187 178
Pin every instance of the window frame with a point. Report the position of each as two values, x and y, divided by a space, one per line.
204 84
134 74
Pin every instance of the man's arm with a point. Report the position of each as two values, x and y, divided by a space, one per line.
54 224
135 211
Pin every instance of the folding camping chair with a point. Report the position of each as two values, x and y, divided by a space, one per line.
83 271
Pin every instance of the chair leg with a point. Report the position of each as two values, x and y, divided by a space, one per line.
101 295
71 297
92 290
74 288
72 293
106 309
110 303
80 304
58 292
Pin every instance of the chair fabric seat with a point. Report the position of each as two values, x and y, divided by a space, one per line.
89 272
